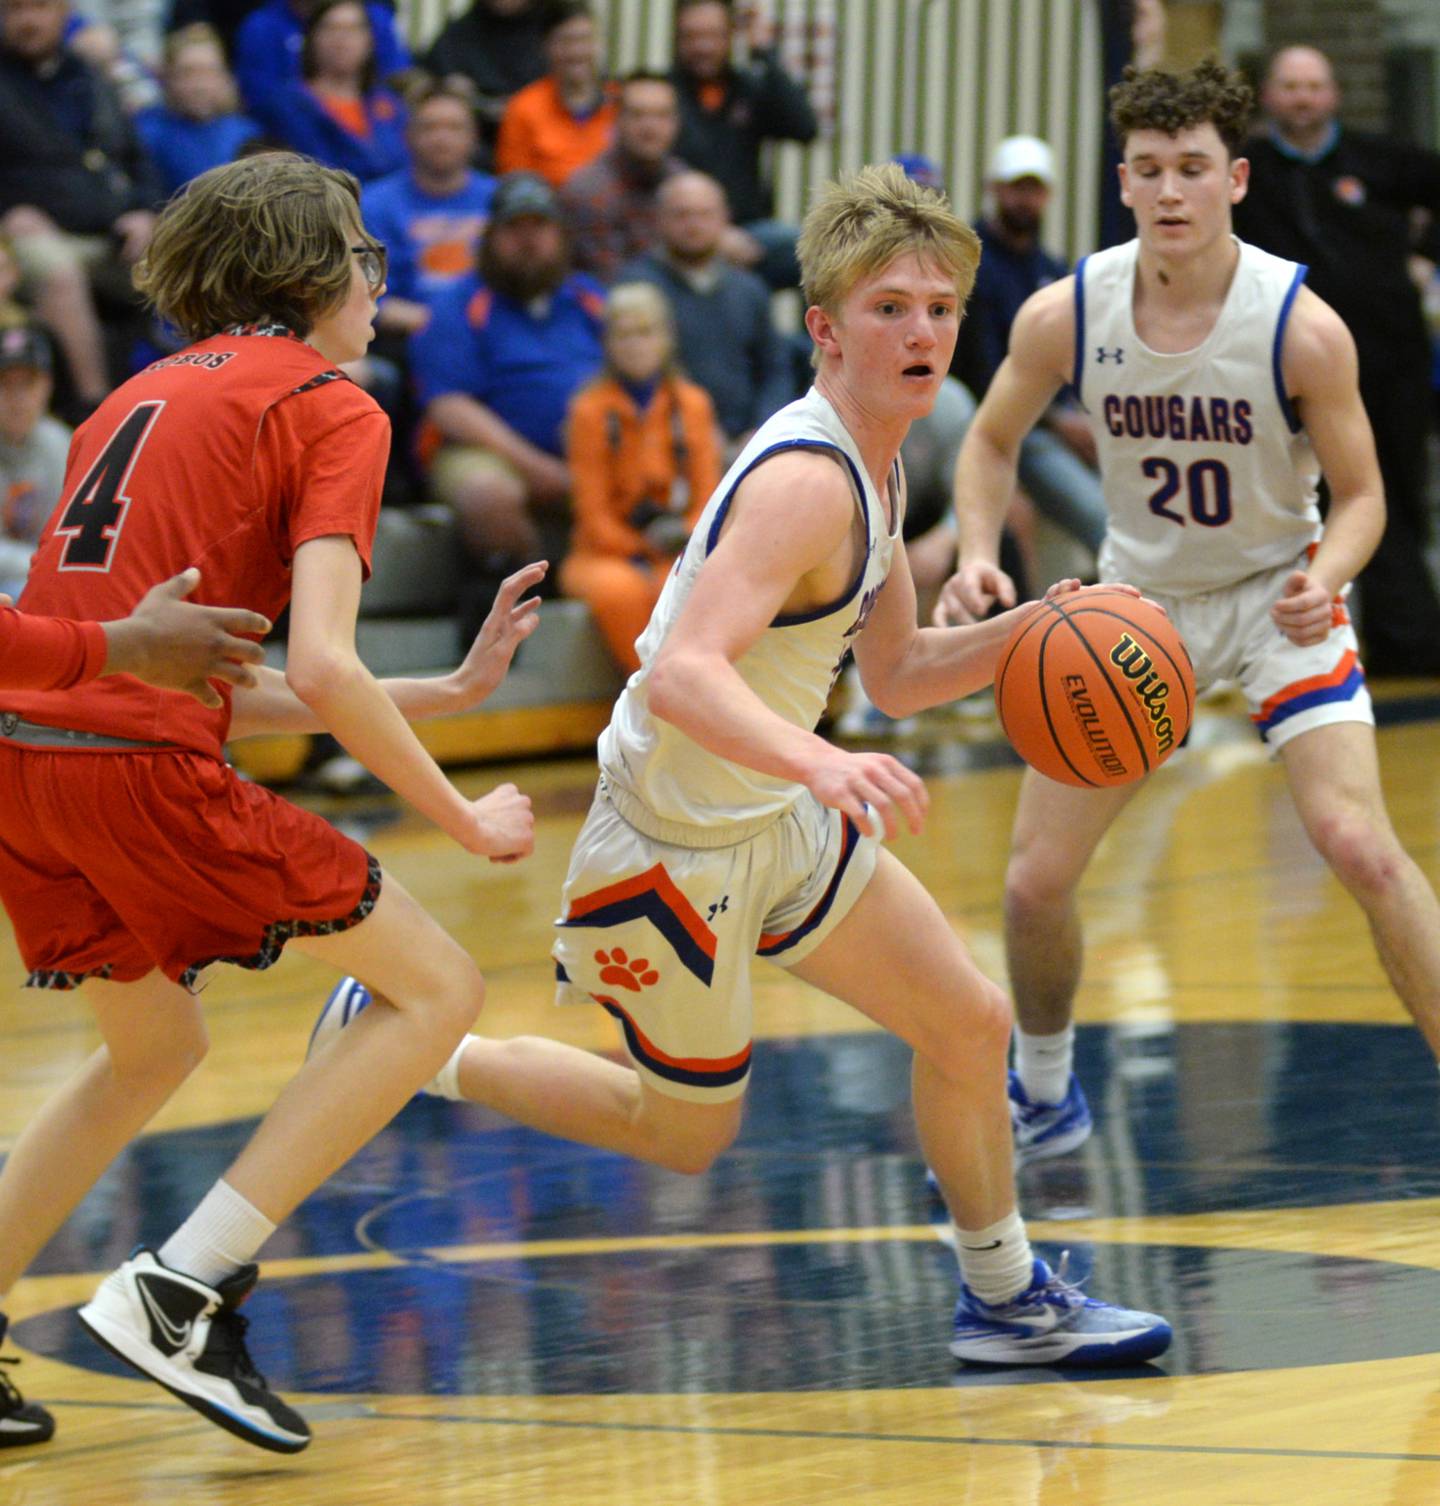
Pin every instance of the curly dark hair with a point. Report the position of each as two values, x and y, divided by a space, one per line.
1152 100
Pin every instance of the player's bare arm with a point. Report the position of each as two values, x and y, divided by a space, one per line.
906 668
271 706
1320 367
1042 352
177 645
326 673
789 544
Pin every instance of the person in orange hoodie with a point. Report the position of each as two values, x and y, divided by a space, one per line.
565 120
644 454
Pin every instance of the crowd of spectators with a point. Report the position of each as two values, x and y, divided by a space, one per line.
578 331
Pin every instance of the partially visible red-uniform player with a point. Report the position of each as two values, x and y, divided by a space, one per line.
132 856
164 641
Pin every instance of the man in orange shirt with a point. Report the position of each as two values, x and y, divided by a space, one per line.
566 119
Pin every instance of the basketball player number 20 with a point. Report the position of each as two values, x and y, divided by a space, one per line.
96 509
1207 481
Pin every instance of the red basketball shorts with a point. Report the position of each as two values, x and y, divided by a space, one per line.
115 864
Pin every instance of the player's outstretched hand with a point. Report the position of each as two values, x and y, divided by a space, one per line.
504 826
509 623
868 787
970 593
170 642
1305 610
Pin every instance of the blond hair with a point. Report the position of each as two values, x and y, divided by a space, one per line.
648 302
264 238
861 223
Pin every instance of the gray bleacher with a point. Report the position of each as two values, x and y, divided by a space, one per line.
407 620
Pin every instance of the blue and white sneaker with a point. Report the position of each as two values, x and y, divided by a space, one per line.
1048 1129
1054 1323
347 999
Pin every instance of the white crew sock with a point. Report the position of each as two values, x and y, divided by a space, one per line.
446 1082
222 1234
1044 1064
996 1263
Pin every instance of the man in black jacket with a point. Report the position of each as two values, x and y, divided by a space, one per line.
498 46
1340 202
77 192
726 114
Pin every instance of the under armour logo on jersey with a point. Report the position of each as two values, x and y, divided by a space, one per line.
1117 355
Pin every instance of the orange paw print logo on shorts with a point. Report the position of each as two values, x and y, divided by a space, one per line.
622 972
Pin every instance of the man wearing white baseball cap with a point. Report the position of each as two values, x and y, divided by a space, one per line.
1057 459
1021 157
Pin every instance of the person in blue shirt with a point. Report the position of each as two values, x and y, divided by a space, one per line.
338 112
199 126
495 369
432 213
1057 460
268 46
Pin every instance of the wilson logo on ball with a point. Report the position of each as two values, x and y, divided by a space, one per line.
1154 693
1094 688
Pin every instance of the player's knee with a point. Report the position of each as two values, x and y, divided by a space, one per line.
168 1064
976 1037
455 999
692 1149
694 1158
1034 886
1365 859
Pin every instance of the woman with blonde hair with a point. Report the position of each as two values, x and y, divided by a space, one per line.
644 455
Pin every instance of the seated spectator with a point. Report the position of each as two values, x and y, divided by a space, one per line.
124 40
1057 460
268 47
726 116
338 112
33 447
76 187
495 370
199 125
498 47
613 204
566 119
644 458
430 214
726 339
929 452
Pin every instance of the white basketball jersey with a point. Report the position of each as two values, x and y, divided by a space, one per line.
1208 476
664 782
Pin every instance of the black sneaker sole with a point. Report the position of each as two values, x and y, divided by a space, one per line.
207 1409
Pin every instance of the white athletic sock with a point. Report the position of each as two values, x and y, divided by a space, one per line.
996 1263
446 1082
222 1234
1044 1064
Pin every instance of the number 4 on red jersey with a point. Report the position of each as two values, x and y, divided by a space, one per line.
96 510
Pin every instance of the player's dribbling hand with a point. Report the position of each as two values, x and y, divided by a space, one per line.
867 786
173 643
509 623
504 826
1305 611
970 593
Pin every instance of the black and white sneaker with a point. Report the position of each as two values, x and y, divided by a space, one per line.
190 1338
21 1421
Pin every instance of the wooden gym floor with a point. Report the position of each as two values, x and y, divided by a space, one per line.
473 1313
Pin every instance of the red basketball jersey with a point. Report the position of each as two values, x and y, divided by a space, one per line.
227 456
44 653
